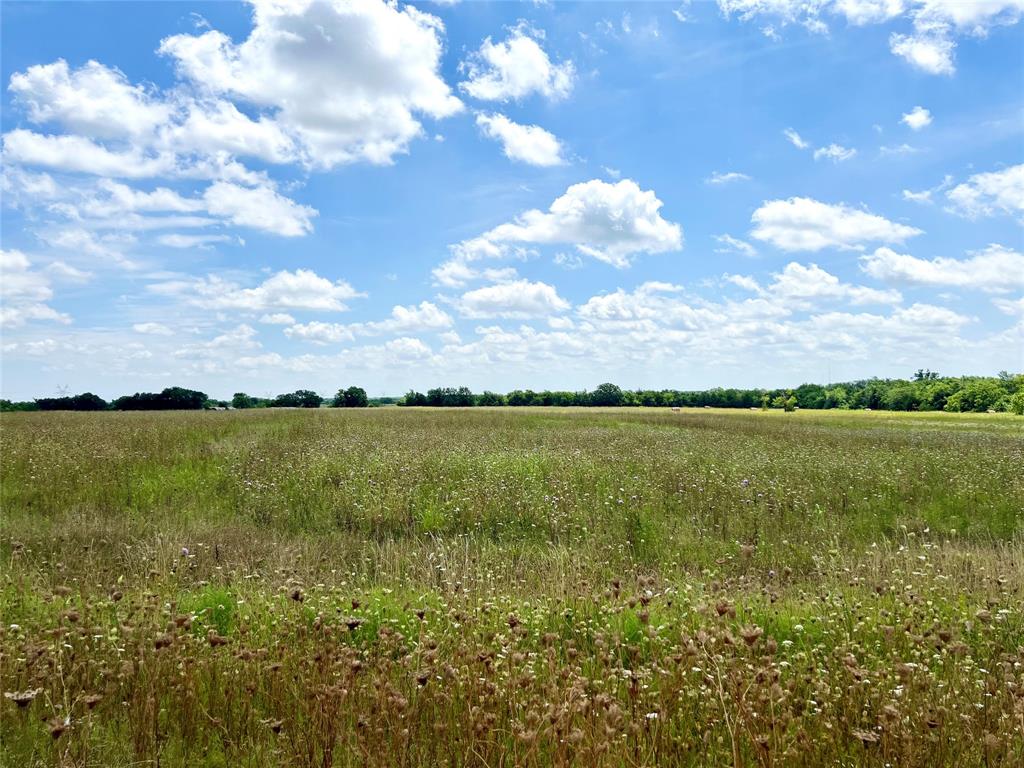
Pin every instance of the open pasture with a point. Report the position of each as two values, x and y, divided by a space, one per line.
512 587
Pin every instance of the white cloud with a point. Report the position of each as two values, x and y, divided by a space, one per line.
319 332
610 222
861 12
805 224
211 126
259 208
724 178
927 51
1010 306
917 118
519 299
802 282
277 318
153 329
192 241
529 144
795 139
995 269
986 194
516 68
936 23
302 289
730 244
835 153
412 319
925 195
82 155
64 271
93 100
345 80
24 292
241 337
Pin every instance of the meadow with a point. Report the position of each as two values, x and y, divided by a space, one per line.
511 587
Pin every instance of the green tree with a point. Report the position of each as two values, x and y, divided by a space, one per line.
353 397
977 396
241 400
1016 404
607 395
300 398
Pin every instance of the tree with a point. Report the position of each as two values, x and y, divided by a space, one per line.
490 399
413 398
1016 404
902 396
977 396
171 399
241 400
353 397
300 398
86 401
607 395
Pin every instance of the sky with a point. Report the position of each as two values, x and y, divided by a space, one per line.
279 195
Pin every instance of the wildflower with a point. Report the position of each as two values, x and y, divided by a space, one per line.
750 634
22 698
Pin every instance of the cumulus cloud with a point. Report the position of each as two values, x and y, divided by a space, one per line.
917 118
516 68
302 289
93 100
803 282
347 81
259 208
529 144
24 292
986 194
805 224
518 299
404 319
610 222
82 155
995 269
928 51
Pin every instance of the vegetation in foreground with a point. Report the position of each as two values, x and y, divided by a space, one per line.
511 587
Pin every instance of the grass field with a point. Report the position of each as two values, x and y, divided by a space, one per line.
505 587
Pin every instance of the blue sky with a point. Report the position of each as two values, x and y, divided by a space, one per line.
280 195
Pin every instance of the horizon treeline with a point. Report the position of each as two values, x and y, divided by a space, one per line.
925 391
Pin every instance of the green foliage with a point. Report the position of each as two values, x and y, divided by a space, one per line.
240 400
84 402
606 395
170 399
300 398
978 396
353 397
1016 403
7 406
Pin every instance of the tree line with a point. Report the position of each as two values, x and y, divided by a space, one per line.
181 399
925 391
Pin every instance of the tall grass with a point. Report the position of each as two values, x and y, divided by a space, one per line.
511 587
